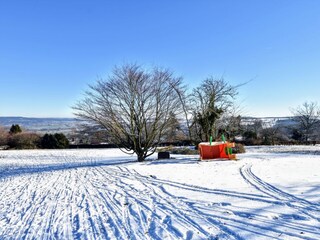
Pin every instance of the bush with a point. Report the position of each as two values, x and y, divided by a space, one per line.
239 148
62 140
3 137
24 141
53 141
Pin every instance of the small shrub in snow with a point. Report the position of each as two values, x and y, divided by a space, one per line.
3 137
239 148
24 141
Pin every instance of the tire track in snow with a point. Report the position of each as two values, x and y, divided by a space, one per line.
189 208
30 217
147 207
195 188
60 201
130 202
171 206
157 213
235 221
50 208
90 209
110 208
111 202
303 206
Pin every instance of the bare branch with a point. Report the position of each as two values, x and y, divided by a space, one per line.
133 105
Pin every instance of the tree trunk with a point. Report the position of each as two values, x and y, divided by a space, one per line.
140 157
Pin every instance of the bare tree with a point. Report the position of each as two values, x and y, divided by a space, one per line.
172 133
185 100
271 134
230 123
252 133
308 118
89 133
3 136
210 100
134 106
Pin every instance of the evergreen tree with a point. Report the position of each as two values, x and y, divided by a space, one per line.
53 141
62 141
49 141
15 128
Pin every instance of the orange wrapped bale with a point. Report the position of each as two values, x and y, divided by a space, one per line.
216 150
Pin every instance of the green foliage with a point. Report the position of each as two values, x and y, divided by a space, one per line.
49 141
251 138
209 101
15 128
207 120
62 140
249 135
54 141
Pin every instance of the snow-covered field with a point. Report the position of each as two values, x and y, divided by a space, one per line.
269 193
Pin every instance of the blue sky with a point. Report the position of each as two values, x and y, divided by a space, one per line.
51 50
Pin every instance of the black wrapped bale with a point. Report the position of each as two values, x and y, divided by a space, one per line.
163 155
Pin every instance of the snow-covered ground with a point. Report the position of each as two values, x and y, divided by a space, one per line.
269 193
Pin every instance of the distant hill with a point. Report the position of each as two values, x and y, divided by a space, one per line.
268 121
42 125
67 125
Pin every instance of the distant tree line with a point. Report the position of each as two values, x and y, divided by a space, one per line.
16 138
302 128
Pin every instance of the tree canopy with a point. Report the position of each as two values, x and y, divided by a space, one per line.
15 128
209 101
308 118
134 105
